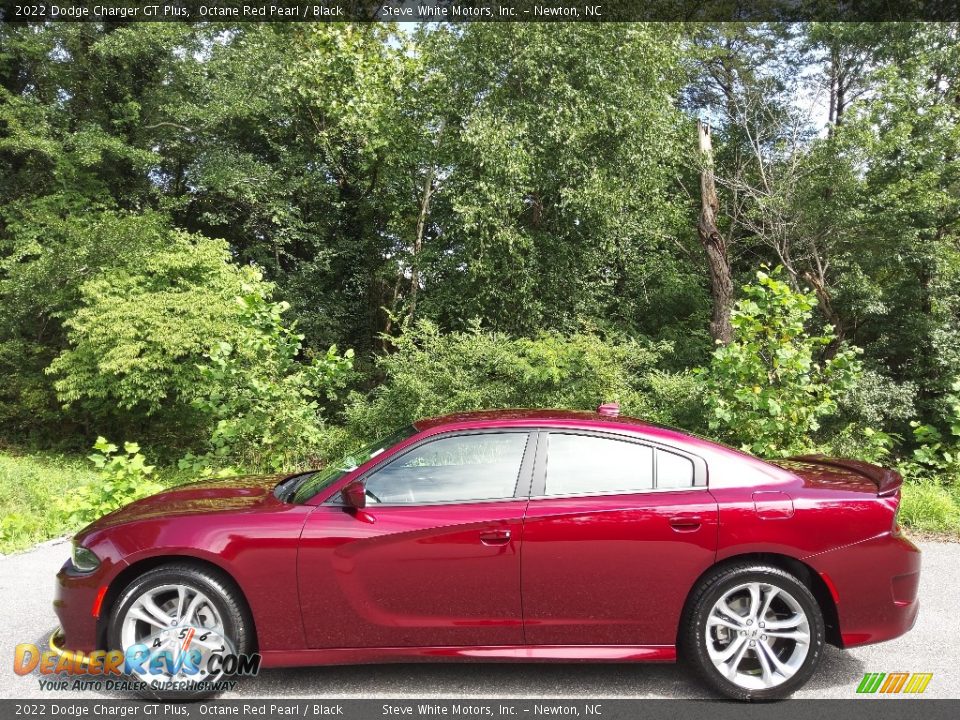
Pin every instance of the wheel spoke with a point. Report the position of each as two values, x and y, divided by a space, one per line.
721 620
181 598
192 608
151 607
732 649
771 594
765 670
139 614
754 590
789 623
724 610
731 668
797 636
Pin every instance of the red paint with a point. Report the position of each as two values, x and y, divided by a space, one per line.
505 653
627 546
831 587
601 577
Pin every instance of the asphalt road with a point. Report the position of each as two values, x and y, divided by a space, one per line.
26 592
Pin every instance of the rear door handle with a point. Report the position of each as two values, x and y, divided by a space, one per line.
495 537
685 523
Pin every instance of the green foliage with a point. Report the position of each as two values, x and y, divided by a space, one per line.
430 373
266 405
768 390
32 488
140 329
540 177
122 478
931 507
937 455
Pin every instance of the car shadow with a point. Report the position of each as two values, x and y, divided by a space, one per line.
500 680
837 670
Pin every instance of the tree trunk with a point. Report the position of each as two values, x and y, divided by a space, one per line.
418 241
422 224
721 283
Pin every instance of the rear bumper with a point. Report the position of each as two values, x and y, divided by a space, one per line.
876 583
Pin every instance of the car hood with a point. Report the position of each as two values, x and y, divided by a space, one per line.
207 496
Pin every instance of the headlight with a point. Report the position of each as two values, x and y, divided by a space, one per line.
83 559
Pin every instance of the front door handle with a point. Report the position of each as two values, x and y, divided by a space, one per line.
495 537
685 523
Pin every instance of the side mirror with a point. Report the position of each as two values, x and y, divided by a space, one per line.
355 495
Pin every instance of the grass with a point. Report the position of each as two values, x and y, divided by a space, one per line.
931 508
33 488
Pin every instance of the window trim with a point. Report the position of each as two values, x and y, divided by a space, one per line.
521 490
538 488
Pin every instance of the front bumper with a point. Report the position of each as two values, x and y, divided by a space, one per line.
76 601
56 645
877 583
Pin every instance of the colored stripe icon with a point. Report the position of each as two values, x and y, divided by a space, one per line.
898 682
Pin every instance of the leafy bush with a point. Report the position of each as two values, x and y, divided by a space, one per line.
937 455
141 330
767 391
266 405
123 478
431 373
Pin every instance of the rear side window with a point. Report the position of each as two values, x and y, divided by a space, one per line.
586 464
673 471
591 464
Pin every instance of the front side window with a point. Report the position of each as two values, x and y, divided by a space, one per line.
303 487
587 464
458 468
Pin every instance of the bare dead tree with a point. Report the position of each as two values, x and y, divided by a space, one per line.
721 283
429 186
766 187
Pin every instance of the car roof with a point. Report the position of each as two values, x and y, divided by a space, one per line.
481 419
518 416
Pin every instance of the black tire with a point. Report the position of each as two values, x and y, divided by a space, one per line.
694 632
217 586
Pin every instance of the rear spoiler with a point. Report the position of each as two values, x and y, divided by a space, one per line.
887 481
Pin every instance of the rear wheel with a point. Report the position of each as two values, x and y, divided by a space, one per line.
753 632
180 616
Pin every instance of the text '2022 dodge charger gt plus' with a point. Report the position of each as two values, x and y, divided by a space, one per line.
507 536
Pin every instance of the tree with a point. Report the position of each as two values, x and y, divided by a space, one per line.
768 390
713 243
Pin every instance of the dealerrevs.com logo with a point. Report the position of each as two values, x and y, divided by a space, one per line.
893 683
179 660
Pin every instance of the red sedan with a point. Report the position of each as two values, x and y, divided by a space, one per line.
511 536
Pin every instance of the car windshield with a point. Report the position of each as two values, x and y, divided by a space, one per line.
309 485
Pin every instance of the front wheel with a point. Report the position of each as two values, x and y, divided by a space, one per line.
179 619
753 632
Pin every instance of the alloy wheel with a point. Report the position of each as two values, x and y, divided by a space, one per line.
172 620
757 635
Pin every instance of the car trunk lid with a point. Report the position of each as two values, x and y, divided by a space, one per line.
844 471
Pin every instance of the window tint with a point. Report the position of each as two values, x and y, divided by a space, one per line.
673 471
452 469
589 464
